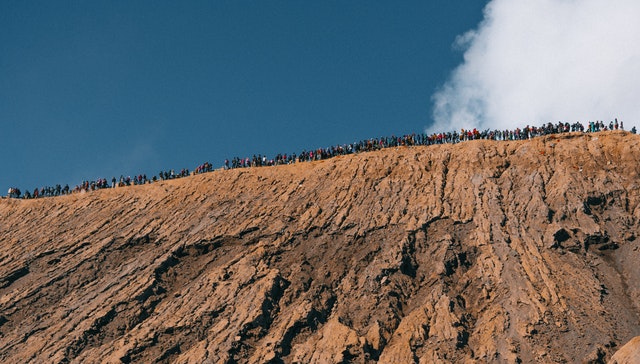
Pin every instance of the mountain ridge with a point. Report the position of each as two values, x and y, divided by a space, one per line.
514 251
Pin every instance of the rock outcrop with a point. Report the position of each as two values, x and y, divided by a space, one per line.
628 354
484 251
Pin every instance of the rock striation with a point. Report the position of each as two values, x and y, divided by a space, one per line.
484 251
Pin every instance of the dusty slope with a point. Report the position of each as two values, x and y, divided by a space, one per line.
482 251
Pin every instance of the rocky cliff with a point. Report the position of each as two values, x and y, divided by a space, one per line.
523 251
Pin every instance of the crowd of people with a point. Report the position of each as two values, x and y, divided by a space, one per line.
259 160
527 132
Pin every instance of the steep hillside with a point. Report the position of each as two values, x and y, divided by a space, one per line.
482 251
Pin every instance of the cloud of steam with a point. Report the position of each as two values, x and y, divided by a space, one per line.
537 61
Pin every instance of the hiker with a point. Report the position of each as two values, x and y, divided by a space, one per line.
14 192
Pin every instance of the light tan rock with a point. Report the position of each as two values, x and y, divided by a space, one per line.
628 354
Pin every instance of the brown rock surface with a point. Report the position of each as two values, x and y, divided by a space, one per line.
478 252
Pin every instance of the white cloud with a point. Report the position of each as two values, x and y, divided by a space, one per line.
536 61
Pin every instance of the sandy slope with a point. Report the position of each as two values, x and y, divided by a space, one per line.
482 251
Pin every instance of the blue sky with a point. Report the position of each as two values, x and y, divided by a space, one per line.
94 89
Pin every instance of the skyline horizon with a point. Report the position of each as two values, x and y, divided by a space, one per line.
177 172
91 89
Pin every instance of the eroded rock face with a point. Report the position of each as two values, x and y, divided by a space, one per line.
481 251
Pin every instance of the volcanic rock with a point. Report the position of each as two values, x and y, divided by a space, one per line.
628 354
483 251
